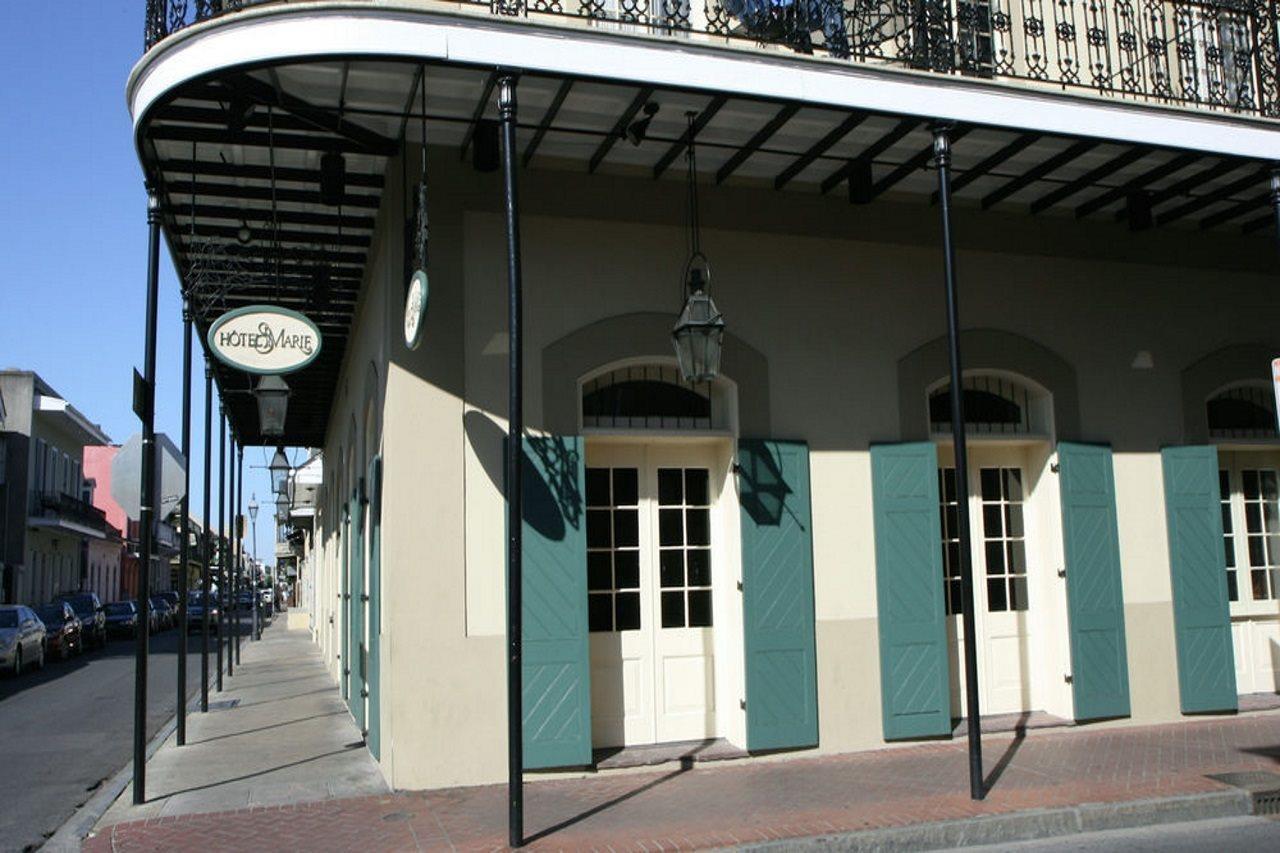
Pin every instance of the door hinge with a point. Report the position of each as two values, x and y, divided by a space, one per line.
1062 573
1067 678
1055 467
736 468
364 694
364 597
742 703
739 586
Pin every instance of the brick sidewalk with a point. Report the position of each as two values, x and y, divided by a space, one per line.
709 806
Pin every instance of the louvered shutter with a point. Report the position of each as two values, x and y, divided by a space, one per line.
1095 596
777 587
1197 565
374 669
556 694
914 669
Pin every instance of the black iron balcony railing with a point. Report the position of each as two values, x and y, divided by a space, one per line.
57 505
1216 54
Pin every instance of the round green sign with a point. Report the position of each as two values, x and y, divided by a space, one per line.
415 309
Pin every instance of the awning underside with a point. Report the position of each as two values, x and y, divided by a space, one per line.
230 151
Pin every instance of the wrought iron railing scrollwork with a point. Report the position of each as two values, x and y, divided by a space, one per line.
1216 54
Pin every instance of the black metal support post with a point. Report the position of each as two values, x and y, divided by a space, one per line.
205 604
942 159
184 549
219 549
515 429
232 568
239 549
145 402
1275 193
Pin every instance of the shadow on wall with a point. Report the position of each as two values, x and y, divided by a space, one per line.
549 499
764 492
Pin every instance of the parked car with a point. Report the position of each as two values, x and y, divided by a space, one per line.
64 635
244 599
122 618
153 617
172 597
21 638
166 613
88 608
196 612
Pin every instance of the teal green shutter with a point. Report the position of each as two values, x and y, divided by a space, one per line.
777 594
1197 564
346 602
373 672
1095 597
556 694
356 698
915 672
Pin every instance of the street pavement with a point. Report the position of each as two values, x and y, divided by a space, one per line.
1225 835
66 729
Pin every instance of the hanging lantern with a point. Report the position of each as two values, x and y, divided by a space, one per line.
279 469
272 395
699 331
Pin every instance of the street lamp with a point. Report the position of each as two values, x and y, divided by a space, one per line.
279 469
272 394
253 584
253 523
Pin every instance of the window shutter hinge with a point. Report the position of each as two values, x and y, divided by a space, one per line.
1055 467
1067 678
742 703
364 597
737 469
1062 573
739 586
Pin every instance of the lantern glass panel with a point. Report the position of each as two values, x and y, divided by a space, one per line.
272 395
697 337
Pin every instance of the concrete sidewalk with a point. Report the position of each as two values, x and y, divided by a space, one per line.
290 741
278 733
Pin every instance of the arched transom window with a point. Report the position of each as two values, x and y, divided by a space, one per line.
993 404
1245 410
648 396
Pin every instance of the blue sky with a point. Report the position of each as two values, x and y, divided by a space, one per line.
73 229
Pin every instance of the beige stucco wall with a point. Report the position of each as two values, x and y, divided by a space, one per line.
832 297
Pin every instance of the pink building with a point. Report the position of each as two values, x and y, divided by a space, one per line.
110 560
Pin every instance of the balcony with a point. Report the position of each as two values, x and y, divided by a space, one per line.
58 510
1219 56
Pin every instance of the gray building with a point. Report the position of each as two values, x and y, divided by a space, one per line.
47 516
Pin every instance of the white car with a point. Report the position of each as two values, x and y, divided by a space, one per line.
21 638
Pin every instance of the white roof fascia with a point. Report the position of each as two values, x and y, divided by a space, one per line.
286 33
58 406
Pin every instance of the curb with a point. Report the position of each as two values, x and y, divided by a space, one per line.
1025 825
70 836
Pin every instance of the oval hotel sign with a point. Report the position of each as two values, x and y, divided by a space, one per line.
264 339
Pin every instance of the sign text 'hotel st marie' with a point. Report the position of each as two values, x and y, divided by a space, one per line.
264 339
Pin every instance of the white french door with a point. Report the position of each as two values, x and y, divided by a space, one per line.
998 489
1249 484
649 593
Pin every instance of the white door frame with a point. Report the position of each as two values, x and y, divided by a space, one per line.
647 451
1043 648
